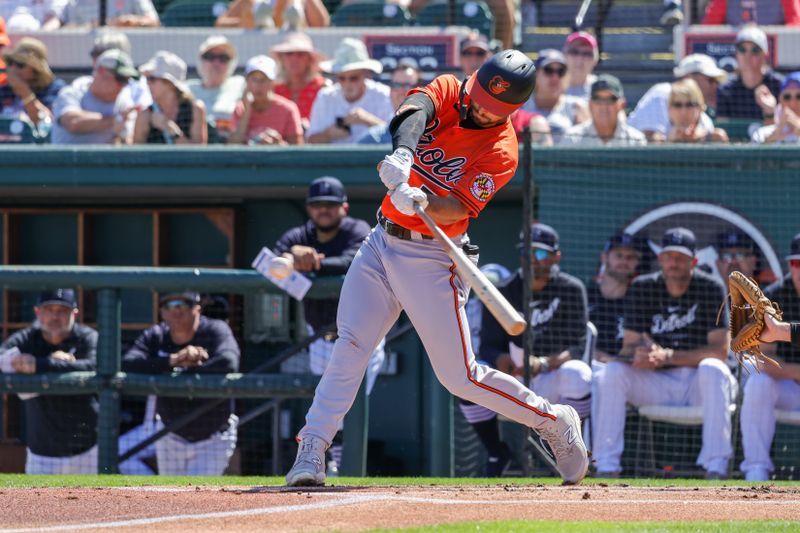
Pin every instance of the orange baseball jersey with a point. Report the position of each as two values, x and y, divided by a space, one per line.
470 164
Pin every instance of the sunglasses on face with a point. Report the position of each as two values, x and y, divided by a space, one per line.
734 256
12 63
555 71
580 53
744 49
787 97
222 58
122 80
474 53
609 100
171 305
352 78
684 105
400 85
538 254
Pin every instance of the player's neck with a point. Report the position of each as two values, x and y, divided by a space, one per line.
677 288
612 288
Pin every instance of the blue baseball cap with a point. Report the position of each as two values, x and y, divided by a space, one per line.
734 239
791 78
189 296
624 240
680 240
543 237
549 56
794 248
326 189
65 297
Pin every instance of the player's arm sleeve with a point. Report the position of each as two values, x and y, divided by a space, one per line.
138 358
408 123
634 313
85 357
223 357
575 326
285 243
711 308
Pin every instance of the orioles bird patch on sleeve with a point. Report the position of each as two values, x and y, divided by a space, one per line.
482 187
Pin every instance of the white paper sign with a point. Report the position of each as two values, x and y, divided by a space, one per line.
296 284
6 368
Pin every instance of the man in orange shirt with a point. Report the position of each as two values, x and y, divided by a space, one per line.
454 148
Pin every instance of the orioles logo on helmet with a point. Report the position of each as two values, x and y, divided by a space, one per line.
498 85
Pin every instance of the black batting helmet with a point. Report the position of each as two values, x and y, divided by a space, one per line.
503 83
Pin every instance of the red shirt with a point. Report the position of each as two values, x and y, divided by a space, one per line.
306 97
717 12
469 164
282 116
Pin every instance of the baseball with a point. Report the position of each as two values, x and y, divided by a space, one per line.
280 267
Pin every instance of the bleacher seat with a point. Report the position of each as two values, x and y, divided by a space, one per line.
371 13
193 13
14 131
473 14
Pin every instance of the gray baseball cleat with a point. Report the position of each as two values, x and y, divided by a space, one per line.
309 466
565 440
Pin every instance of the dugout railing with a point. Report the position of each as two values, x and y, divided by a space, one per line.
109 383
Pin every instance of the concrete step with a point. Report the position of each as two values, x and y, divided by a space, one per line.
642 40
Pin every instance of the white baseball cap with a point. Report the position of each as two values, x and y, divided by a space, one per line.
700 64
167 66
755 35
264 64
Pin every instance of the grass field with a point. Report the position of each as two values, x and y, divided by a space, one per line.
514 486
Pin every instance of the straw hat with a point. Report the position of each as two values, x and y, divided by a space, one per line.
32 52
296 42
351 55
167 66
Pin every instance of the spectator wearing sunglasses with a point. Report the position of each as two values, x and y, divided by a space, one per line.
558 318
218 88
186 341
96 109
474 52
787 115
31 88
344 112
404 78
651 115
773 387
548 99
686 106
263 117
299 75
608 126
176 116
113 39
753 92
765 12
736 251
582 55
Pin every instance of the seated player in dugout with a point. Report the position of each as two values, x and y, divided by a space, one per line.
186 341
60 431
674 352
454 147
558 319
771 387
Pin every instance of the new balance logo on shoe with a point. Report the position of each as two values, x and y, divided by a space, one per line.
570 436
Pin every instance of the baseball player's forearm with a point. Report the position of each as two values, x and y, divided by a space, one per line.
50 364
717 347
409 122
221 363
446 209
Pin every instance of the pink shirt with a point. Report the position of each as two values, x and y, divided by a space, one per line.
282 115
307 94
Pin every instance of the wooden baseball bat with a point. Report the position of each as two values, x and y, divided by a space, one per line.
508 317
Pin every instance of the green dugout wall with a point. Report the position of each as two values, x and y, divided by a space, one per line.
216 206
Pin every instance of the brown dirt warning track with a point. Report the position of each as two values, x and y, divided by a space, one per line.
363 508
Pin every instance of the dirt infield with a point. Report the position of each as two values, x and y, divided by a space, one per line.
362 508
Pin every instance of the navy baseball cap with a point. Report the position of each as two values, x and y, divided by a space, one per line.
790 79
549 56
680 240
624 240
190 296
794 248
734 239
607 82
64 297
326 189
543 237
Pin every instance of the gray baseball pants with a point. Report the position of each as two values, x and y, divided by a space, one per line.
389 275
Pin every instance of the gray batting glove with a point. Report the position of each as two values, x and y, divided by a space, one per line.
404 197
396 167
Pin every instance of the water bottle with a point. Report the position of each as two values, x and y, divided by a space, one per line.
44 126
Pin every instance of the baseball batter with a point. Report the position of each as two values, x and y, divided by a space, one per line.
454 148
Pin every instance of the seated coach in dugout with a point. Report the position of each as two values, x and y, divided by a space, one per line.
60 430
186 341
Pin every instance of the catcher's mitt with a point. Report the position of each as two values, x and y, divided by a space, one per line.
748 307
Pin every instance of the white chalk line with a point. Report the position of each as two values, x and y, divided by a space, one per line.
360 499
